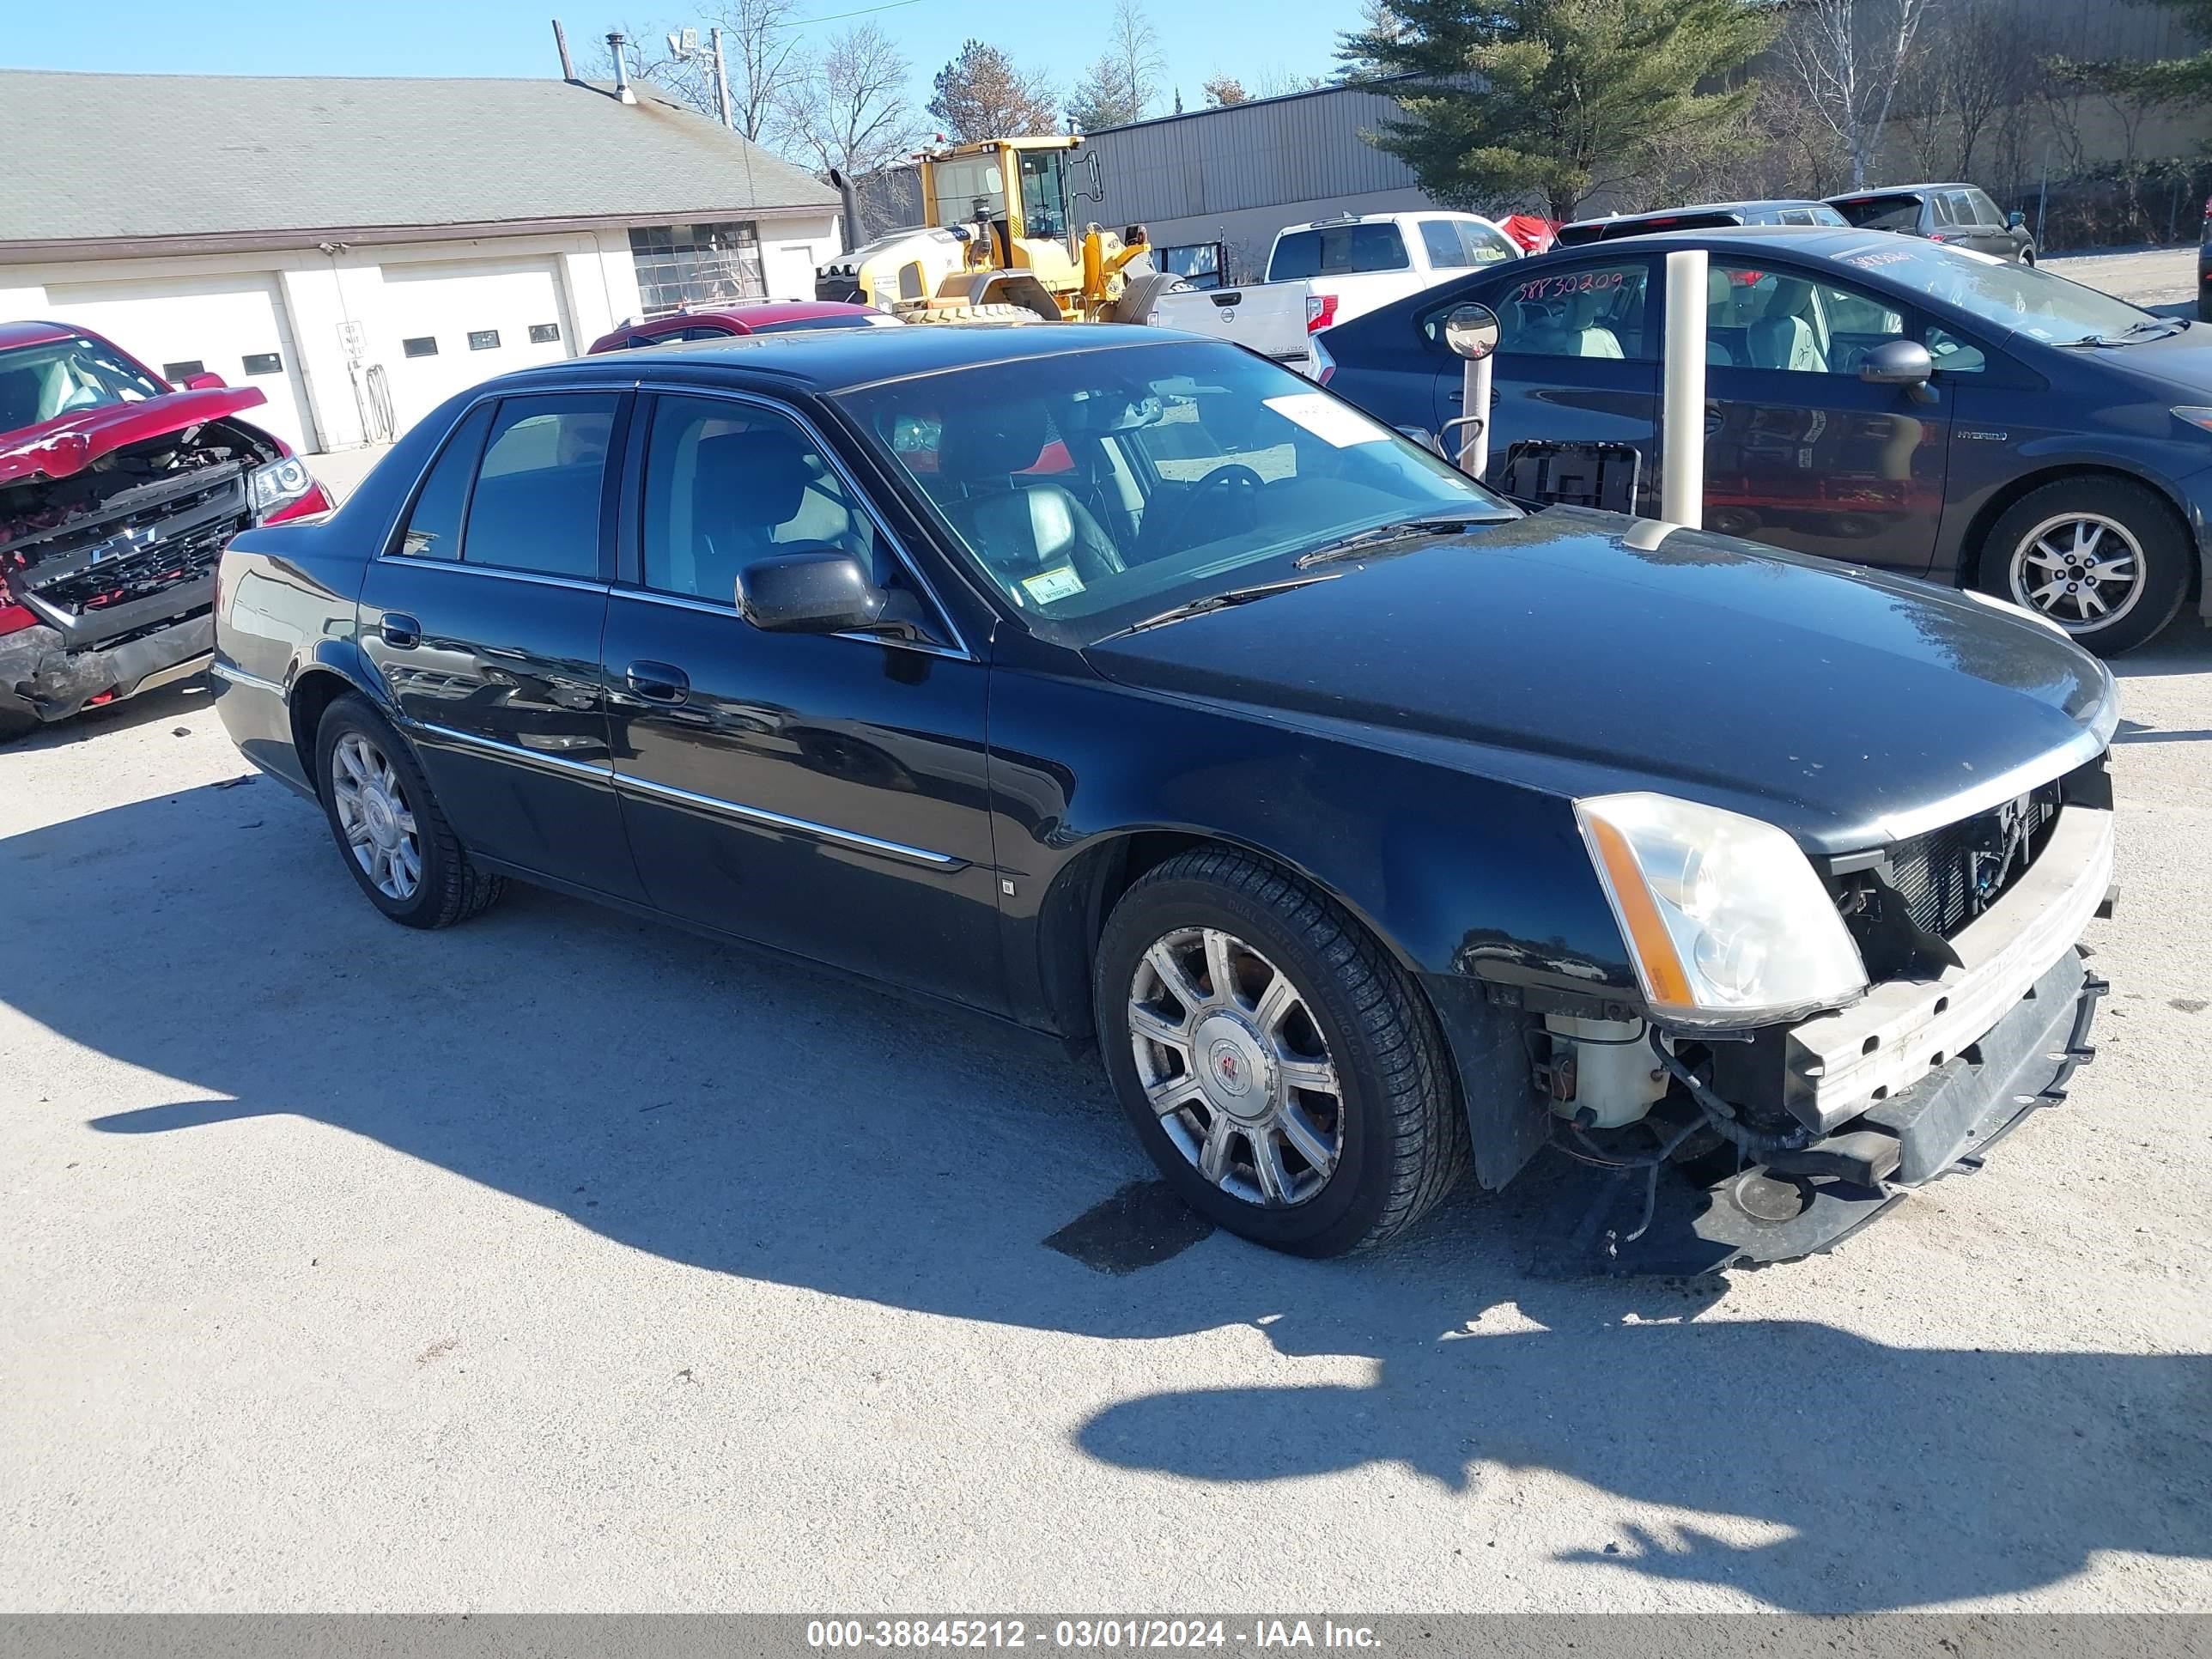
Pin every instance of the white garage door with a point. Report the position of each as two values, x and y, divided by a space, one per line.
231 326
444 328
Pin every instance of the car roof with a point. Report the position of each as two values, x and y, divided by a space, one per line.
36 333
838 359
750 313
1815 239
1707 207
1871 192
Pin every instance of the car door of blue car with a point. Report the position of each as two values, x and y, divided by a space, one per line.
1799 453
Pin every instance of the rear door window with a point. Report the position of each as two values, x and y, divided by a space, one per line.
1337 251
1441 238
1592 311
536 505
433 528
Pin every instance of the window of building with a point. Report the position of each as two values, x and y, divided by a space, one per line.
179 373
484 339
696 265
536 505
264 363
433 528
423 346
545 333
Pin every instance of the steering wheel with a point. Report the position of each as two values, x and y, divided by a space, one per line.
1243 479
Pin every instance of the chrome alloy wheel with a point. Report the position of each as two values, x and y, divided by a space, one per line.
373 810
2082 570
1232 1062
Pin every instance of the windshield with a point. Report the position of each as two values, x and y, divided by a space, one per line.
970 190
1098 488
40 382
2016 298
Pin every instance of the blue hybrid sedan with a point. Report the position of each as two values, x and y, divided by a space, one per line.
1870 397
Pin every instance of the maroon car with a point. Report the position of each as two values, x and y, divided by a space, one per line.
117 491
752 317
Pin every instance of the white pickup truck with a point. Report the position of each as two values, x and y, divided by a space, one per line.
1331 271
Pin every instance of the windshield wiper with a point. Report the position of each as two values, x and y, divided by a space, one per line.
1198 607
1399 530
2151 328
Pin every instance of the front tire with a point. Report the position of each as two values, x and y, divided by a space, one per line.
1280 1069
2103 557
388 830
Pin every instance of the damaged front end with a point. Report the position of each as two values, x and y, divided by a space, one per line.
107 570
1721 1147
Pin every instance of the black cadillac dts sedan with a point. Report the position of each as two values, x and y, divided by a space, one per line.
1134 689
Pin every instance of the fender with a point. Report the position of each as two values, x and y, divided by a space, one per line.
1967 516
1466 877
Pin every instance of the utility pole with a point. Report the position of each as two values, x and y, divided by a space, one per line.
721 81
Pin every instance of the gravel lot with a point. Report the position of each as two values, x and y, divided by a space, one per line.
563 1261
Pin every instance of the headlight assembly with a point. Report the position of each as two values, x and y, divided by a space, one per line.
1722 915
279 482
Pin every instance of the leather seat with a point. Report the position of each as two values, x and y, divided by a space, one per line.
1019 527
1720 307
747 484
1783 338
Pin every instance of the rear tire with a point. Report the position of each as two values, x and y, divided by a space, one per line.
1339 1073
390 832
2104 558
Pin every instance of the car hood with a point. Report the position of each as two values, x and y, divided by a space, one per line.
69 443
1582 652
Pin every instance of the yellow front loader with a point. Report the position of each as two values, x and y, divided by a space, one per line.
999 244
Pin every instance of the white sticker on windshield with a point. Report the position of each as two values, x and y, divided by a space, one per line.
1328 420
1053 585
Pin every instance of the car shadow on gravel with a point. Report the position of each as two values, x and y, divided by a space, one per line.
734 1112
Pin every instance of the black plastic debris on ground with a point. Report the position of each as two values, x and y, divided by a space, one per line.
1143 1225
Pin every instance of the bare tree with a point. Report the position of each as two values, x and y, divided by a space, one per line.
849 111
762 58
1123 81
1849 56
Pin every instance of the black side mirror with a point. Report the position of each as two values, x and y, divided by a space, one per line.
814 588
1900 362
2014 220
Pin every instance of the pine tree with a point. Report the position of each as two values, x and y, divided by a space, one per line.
1556 99
981 95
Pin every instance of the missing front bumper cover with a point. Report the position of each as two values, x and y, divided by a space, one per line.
1808 1201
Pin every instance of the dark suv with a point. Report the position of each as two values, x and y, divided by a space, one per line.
1962 215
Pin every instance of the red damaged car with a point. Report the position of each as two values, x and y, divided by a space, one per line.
117 491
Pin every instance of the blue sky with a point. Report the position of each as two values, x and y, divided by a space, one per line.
1248 38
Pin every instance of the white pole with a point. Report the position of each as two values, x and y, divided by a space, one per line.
721 82
1682 427
1474 399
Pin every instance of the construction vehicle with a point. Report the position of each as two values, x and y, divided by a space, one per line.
998 244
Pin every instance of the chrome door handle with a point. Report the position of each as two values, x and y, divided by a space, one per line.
658 682
401 631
